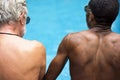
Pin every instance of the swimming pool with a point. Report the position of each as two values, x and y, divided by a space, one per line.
51 20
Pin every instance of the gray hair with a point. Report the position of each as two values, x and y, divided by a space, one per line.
10 10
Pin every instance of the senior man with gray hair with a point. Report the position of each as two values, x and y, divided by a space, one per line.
20 59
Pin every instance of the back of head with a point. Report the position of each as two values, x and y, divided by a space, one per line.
10 10
105 11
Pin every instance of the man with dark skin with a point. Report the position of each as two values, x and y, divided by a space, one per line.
20 59
93 54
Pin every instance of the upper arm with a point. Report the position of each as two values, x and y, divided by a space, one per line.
43 62
41 54
63 50
59 61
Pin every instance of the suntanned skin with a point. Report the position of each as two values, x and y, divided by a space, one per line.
93 55
20 59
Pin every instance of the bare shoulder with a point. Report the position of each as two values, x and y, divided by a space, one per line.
74 35
37 44
73 39
113 37
31 47
36 51
79 36
36 47
39 50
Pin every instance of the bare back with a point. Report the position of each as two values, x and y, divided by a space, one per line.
21 59
94 56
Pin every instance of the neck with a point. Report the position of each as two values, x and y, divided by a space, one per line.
102 28
9 30
5 33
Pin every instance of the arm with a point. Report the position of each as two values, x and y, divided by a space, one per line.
43 66
58 62
41 59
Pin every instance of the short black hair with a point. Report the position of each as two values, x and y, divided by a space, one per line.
105 11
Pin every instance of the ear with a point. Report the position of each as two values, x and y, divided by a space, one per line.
22 19
90 20
91 17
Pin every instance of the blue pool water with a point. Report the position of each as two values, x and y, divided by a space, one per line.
51 20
